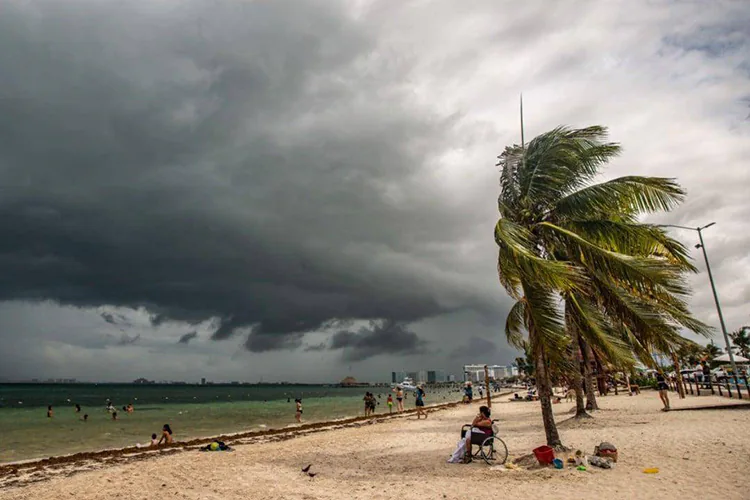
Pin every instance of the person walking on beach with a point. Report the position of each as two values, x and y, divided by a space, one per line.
419 403
50 413
661 385
166 435
390 403
298 413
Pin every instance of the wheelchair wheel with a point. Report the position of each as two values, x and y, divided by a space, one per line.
493 451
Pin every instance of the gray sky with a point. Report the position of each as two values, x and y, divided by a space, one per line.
306 190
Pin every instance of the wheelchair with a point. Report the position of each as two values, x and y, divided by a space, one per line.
490 448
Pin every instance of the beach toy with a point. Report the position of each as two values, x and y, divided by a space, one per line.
214 446
652 470
544 454
558 463
581 468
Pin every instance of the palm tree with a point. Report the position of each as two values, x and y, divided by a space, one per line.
562 238
712 350
741 340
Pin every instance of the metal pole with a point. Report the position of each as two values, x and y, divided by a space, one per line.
718 306
487 385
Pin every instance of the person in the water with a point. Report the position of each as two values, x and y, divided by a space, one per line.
49 412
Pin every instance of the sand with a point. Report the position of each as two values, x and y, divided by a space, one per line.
700 454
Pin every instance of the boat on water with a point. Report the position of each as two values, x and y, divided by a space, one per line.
407 385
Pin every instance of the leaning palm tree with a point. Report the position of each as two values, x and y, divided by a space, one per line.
562 238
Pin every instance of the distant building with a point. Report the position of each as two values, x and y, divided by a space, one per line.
475 373
397 377
421 376
143 381
435 376
413 375
203 381
451 378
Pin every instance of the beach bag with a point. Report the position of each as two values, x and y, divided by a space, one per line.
458 454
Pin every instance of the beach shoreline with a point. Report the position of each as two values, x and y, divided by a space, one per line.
403 458
138 452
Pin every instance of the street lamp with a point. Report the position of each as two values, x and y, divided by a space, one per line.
702 246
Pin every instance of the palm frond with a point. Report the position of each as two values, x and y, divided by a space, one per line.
625 196
515 324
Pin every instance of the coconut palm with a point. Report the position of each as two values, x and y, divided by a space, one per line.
741 340
712 350
562 238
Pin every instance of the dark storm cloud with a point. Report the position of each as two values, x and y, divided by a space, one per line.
125 339
229 161
381 337
185 339
114 319
475 348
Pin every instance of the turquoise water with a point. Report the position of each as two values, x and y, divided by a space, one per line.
191 411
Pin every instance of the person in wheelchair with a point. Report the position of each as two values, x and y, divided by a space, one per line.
481 429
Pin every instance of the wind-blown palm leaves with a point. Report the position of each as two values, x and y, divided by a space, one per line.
586 274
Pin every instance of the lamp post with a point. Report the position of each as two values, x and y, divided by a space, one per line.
702 246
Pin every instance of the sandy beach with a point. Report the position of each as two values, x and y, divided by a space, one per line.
698 453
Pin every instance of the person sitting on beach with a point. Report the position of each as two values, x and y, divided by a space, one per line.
154 441
49 412
298 413
481 428
85 418
166 435
129 408
390 403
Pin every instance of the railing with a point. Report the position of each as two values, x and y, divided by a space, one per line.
732 387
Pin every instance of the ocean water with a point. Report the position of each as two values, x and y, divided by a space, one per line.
191 411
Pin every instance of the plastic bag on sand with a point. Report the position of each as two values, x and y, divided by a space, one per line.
458 454
600 462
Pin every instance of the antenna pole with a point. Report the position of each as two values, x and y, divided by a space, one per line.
523 142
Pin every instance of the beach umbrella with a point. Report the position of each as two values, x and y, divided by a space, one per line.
724 358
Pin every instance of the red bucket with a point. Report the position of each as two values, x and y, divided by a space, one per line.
544 454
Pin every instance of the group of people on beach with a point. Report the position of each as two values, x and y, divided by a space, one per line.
419 395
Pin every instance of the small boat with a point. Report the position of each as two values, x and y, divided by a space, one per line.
407 385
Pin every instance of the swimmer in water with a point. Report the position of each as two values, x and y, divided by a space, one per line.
49 412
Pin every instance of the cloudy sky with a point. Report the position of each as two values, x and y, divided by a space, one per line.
306 190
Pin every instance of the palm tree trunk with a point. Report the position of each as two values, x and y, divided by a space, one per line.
590 396
576 378
544 386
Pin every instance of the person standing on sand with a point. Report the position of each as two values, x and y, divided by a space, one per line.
78 408
390 403
298 413
166 435
661 386
399 398
50 413
366 400
419 403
